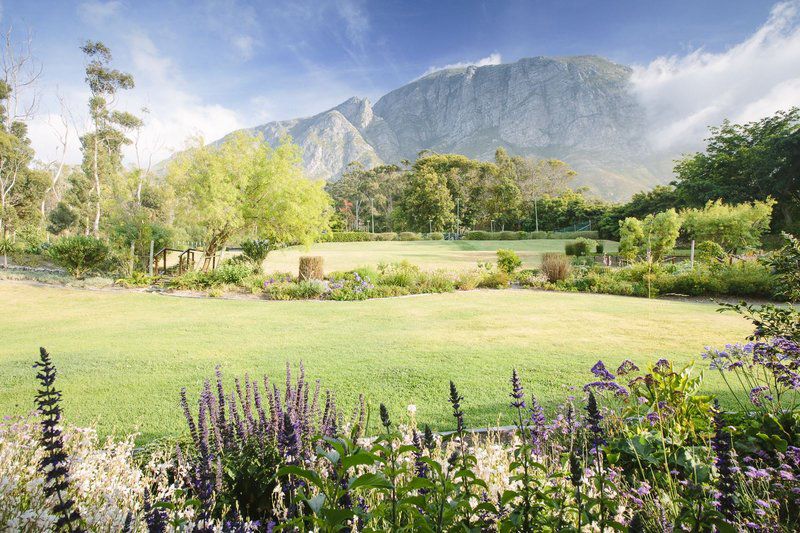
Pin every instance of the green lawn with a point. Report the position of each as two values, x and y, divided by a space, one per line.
123 356
428 255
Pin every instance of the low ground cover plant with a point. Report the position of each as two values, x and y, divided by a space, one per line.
634 449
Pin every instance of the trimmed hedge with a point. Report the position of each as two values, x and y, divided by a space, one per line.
479 235
346 236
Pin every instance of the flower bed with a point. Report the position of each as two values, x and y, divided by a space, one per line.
637 449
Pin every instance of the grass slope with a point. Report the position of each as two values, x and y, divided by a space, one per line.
428 255
123 356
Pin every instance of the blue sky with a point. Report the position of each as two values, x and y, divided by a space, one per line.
208 66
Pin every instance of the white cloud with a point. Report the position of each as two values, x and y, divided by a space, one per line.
491 59
96 12
685 94
356 21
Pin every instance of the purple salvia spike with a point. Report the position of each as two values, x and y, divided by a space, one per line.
262 416
236 420
288 386
189 418
220 396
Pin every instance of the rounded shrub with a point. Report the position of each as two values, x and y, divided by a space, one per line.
311 267
79 255
409 236
231 273
436 236
509 236
386 236
508 261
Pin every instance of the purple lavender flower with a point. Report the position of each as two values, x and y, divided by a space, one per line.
593 423
610 386
758 394
599 370
627 367
517 393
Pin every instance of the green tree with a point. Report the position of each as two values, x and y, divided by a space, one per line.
426 202
659 198
747 162
733 227
245 187
651 238
102 146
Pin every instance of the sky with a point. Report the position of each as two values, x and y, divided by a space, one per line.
207 67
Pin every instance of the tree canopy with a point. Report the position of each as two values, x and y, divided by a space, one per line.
245 187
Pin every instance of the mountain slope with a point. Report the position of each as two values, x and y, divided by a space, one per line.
578 109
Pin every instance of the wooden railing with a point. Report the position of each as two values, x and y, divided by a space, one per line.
186 260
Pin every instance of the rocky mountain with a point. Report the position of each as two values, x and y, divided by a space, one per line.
578 109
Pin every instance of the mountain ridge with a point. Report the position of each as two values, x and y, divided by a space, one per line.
575 108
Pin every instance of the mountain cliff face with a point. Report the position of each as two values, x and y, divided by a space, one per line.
577 109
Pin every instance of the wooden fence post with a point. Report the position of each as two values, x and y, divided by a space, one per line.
691 255
150 268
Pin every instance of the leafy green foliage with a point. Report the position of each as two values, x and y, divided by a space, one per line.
508 261
785 264
747 162
79 254
734 227
245 186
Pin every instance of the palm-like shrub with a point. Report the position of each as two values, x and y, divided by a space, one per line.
555 266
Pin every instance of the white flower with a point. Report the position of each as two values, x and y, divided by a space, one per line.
412 409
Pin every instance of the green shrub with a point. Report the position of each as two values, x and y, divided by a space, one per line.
137 279
256 250
79 255
402 274
493 279
436 236
32 239
555 266
387 236
305 290
193 281
600 248
581 247
538 235
311 268
467 281
574 235
710 252
346 236
747 279
508 261
437 281
409 236
281 290
785 264
387 291
478 236
509 236
231 273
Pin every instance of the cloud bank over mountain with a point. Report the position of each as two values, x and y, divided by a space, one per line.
685 94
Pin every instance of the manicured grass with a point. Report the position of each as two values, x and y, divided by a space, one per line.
123 356
428 255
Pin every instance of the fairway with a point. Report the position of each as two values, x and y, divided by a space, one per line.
428 255
123 356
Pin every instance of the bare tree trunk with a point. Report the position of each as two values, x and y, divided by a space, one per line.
96 226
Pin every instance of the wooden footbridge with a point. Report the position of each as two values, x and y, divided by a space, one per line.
175 261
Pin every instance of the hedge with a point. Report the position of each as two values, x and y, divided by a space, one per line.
519 235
